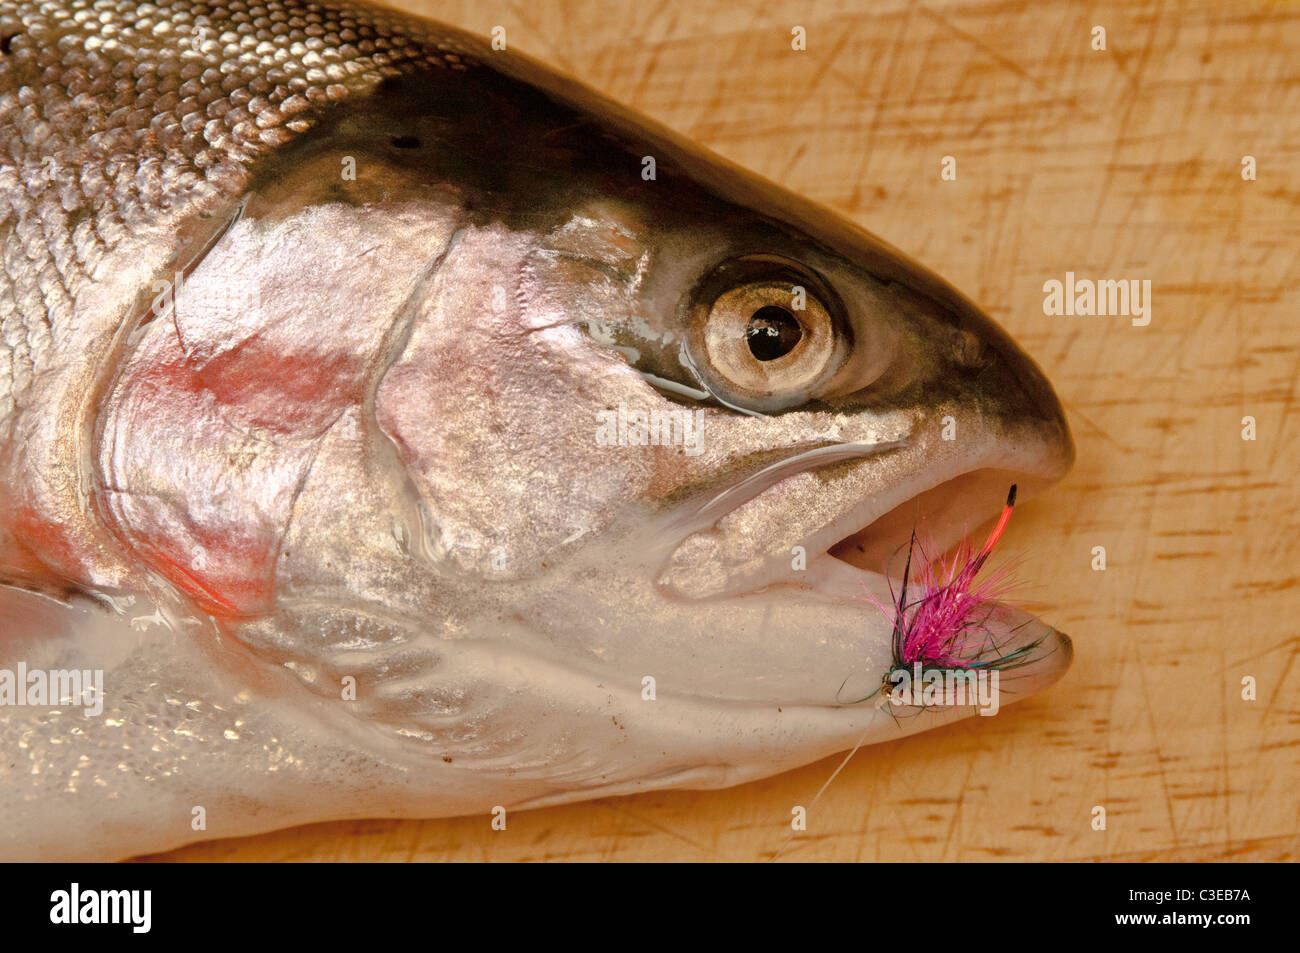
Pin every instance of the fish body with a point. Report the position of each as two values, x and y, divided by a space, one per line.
390 426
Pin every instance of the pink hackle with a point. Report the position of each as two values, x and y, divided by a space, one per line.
945 628
943 615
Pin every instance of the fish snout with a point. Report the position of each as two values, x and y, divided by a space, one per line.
984 418
1016 400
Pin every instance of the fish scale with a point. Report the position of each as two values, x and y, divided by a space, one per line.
116 115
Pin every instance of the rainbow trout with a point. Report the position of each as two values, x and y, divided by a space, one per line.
392 427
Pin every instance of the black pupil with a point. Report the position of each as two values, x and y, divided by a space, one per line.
772 332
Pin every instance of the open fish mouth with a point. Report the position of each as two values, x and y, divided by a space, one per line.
860 534
848 550
943 513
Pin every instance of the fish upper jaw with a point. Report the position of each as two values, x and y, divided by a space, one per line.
861 511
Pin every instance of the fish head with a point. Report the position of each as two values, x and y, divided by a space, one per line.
593 454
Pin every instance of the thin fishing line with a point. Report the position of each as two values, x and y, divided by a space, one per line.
822 790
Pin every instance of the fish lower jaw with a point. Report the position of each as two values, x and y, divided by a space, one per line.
1006 630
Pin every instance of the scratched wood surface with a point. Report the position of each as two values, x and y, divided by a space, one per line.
1117 164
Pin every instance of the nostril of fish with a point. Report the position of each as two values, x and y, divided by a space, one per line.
968 350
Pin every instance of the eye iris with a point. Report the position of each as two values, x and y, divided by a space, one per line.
772 332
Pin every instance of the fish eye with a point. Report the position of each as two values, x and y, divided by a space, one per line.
764 333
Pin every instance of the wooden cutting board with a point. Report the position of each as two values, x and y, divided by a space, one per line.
1116 164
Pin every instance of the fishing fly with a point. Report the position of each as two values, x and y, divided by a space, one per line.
942 637
941 641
